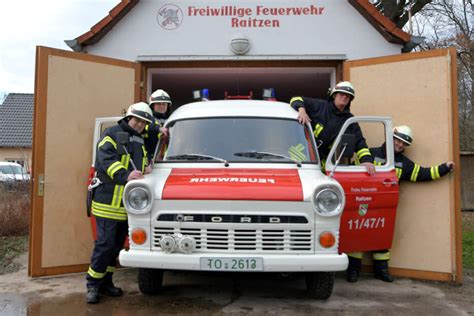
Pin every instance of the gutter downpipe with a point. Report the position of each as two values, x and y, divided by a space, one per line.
73 44
414 42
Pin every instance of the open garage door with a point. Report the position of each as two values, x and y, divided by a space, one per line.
288 78
71 90
419 90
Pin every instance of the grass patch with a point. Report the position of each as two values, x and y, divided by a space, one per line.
10 248
468 240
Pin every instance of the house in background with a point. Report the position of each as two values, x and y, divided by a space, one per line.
16 122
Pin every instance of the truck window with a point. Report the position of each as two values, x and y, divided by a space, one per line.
242 139
374 134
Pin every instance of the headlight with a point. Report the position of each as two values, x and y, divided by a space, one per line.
138 200
328 200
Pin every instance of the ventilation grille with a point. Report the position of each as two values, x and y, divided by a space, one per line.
238 240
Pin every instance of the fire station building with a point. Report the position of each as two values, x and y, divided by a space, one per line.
296 47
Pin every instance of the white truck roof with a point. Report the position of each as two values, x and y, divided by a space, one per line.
233 108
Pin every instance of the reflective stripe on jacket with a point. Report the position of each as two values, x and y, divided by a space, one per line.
114 168
407 169
327 121
152 136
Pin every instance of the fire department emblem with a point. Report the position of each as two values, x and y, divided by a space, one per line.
363 208
169 17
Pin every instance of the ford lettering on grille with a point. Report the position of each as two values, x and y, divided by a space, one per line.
211 218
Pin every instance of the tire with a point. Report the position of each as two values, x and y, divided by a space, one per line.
150 281
319 284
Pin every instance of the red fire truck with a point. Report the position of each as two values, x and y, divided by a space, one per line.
238 186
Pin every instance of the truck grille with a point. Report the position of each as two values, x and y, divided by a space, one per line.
248 240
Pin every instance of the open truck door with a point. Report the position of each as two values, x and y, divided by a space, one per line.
71 91
368 220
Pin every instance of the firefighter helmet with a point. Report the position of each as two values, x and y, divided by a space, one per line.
159 96
403 133
344 87
140 110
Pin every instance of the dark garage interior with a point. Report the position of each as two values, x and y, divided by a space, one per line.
287 82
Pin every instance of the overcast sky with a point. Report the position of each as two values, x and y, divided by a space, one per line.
24 24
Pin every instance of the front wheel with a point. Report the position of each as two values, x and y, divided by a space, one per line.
150 281
320 284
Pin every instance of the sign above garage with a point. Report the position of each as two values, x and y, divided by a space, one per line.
186 30
243 17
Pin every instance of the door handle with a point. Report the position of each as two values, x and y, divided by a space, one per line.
41 183
388 183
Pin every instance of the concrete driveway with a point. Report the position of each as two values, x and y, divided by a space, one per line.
235 294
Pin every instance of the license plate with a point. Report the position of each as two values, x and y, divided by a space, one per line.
231 264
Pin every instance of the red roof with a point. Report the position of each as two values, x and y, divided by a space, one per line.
105 25
385 26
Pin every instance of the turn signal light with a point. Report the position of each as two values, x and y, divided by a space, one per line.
139 236
327 239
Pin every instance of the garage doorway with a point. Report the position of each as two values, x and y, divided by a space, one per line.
179 82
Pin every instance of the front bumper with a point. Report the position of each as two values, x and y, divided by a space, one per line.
271 263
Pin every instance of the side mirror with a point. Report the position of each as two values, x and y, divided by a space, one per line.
346 146
345 149
122 139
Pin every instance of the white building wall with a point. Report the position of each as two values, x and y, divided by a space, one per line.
16 154
335 28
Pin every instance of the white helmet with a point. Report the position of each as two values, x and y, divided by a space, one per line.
140 110
344 87
403 133
159 96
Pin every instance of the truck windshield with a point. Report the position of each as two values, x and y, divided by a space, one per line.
243 139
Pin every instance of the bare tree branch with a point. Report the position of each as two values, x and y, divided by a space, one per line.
397 10
449 23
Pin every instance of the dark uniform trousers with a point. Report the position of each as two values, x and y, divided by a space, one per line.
111 236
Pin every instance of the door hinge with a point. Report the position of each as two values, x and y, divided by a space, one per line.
41 185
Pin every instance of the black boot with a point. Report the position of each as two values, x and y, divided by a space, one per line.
381 271
107 287
92 296
353 270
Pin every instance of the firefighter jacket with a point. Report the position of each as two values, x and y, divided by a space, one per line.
407 169
152 132
113 168
327 121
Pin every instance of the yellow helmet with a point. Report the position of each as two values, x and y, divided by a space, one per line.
344 87
403 133
140 110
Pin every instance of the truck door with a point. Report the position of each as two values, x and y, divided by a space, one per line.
71 91
368 220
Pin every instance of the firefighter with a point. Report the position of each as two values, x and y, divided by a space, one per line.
328 116
117 162
160 104
406 170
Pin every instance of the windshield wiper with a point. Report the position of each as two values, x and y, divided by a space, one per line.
263 155
191 156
